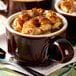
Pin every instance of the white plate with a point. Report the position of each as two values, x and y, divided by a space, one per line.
2 29
2 6
2 24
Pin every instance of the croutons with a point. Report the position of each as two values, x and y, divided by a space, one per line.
68 6
36 22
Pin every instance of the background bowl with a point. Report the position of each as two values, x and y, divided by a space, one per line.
71 18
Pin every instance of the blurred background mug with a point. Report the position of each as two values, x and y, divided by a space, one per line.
71 18
14 6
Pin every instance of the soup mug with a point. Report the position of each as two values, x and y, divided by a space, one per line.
38 49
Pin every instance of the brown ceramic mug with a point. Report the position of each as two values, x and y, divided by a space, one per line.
38 49
71 18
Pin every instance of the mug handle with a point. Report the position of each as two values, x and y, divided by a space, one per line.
61 50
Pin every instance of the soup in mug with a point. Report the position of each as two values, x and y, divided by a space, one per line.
36 22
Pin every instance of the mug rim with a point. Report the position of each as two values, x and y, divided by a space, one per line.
9 28
56 6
